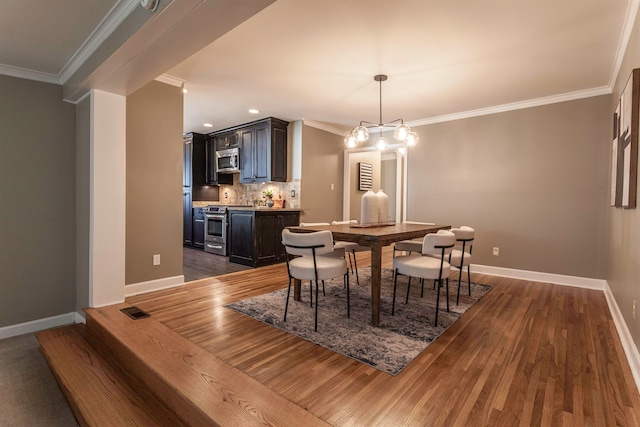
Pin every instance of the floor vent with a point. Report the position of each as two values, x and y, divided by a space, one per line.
134 312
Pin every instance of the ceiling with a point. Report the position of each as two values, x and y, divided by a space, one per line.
315 60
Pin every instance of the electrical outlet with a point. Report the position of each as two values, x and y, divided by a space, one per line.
634 310
496 251
293 193
156 259
333 187
226 195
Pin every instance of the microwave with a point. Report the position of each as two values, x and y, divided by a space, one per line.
228 160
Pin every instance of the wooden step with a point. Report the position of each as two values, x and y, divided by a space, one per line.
97 392
197 386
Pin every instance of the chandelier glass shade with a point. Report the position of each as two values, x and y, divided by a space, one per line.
402 132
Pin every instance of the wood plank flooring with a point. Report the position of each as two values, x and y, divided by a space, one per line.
198 264
527 353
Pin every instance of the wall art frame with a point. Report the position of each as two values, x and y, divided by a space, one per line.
365 176
624 147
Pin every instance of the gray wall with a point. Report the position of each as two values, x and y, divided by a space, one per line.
37 189
531 182
154 182
322 165
623 246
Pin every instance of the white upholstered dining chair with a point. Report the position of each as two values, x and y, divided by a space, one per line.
410 246
460 257
351 248
312 264
431 264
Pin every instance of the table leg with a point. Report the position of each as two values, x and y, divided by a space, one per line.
296 289
376 278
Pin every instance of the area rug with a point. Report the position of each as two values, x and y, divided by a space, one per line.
392 345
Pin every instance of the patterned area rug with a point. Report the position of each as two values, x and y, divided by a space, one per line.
389 347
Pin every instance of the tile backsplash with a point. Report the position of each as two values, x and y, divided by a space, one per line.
252 194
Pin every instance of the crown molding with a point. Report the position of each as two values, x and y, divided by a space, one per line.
571 96
170 80
23 73
625 35
325 127
109 23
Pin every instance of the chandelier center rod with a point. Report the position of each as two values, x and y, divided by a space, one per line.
380 78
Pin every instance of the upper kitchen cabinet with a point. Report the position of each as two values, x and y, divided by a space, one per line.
212 176
226 140
263 151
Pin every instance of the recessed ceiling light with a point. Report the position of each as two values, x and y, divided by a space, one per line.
184 90
254 111
208 125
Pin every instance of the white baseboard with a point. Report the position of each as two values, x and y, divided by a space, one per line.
536 276
630 349
153 285
38 325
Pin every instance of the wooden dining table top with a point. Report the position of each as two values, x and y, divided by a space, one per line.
367 236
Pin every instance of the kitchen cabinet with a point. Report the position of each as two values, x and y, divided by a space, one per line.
212 177
187 220
226 140
255 235
198 227
194 186
263 149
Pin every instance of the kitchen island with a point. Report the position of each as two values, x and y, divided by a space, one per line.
255 234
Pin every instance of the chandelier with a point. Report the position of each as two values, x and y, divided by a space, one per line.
402 132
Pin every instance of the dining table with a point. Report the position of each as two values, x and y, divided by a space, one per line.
374 237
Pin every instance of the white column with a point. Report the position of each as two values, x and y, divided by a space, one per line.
107 199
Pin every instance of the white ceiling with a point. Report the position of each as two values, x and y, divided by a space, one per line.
315 60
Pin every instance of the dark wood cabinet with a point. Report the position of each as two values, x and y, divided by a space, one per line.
226 140
194 181
198 227
212 177
263 149
255 236
187 213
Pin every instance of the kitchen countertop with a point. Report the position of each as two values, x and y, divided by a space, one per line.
264 209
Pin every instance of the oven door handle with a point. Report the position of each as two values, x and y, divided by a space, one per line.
215 217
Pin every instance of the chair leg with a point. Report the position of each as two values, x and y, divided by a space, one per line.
346 278
459 282
315 328
286 305
437 304
323 292
395 284
310 293
355 263
447 279
434 283
469 277
406 301
348 254
422 290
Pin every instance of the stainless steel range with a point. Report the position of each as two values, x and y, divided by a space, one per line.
215 229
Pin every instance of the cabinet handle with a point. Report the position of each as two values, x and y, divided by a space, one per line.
199 220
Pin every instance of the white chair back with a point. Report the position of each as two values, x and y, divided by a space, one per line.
433 244
464 233
305 244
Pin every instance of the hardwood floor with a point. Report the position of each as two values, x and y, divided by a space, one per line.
198 264
527 353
